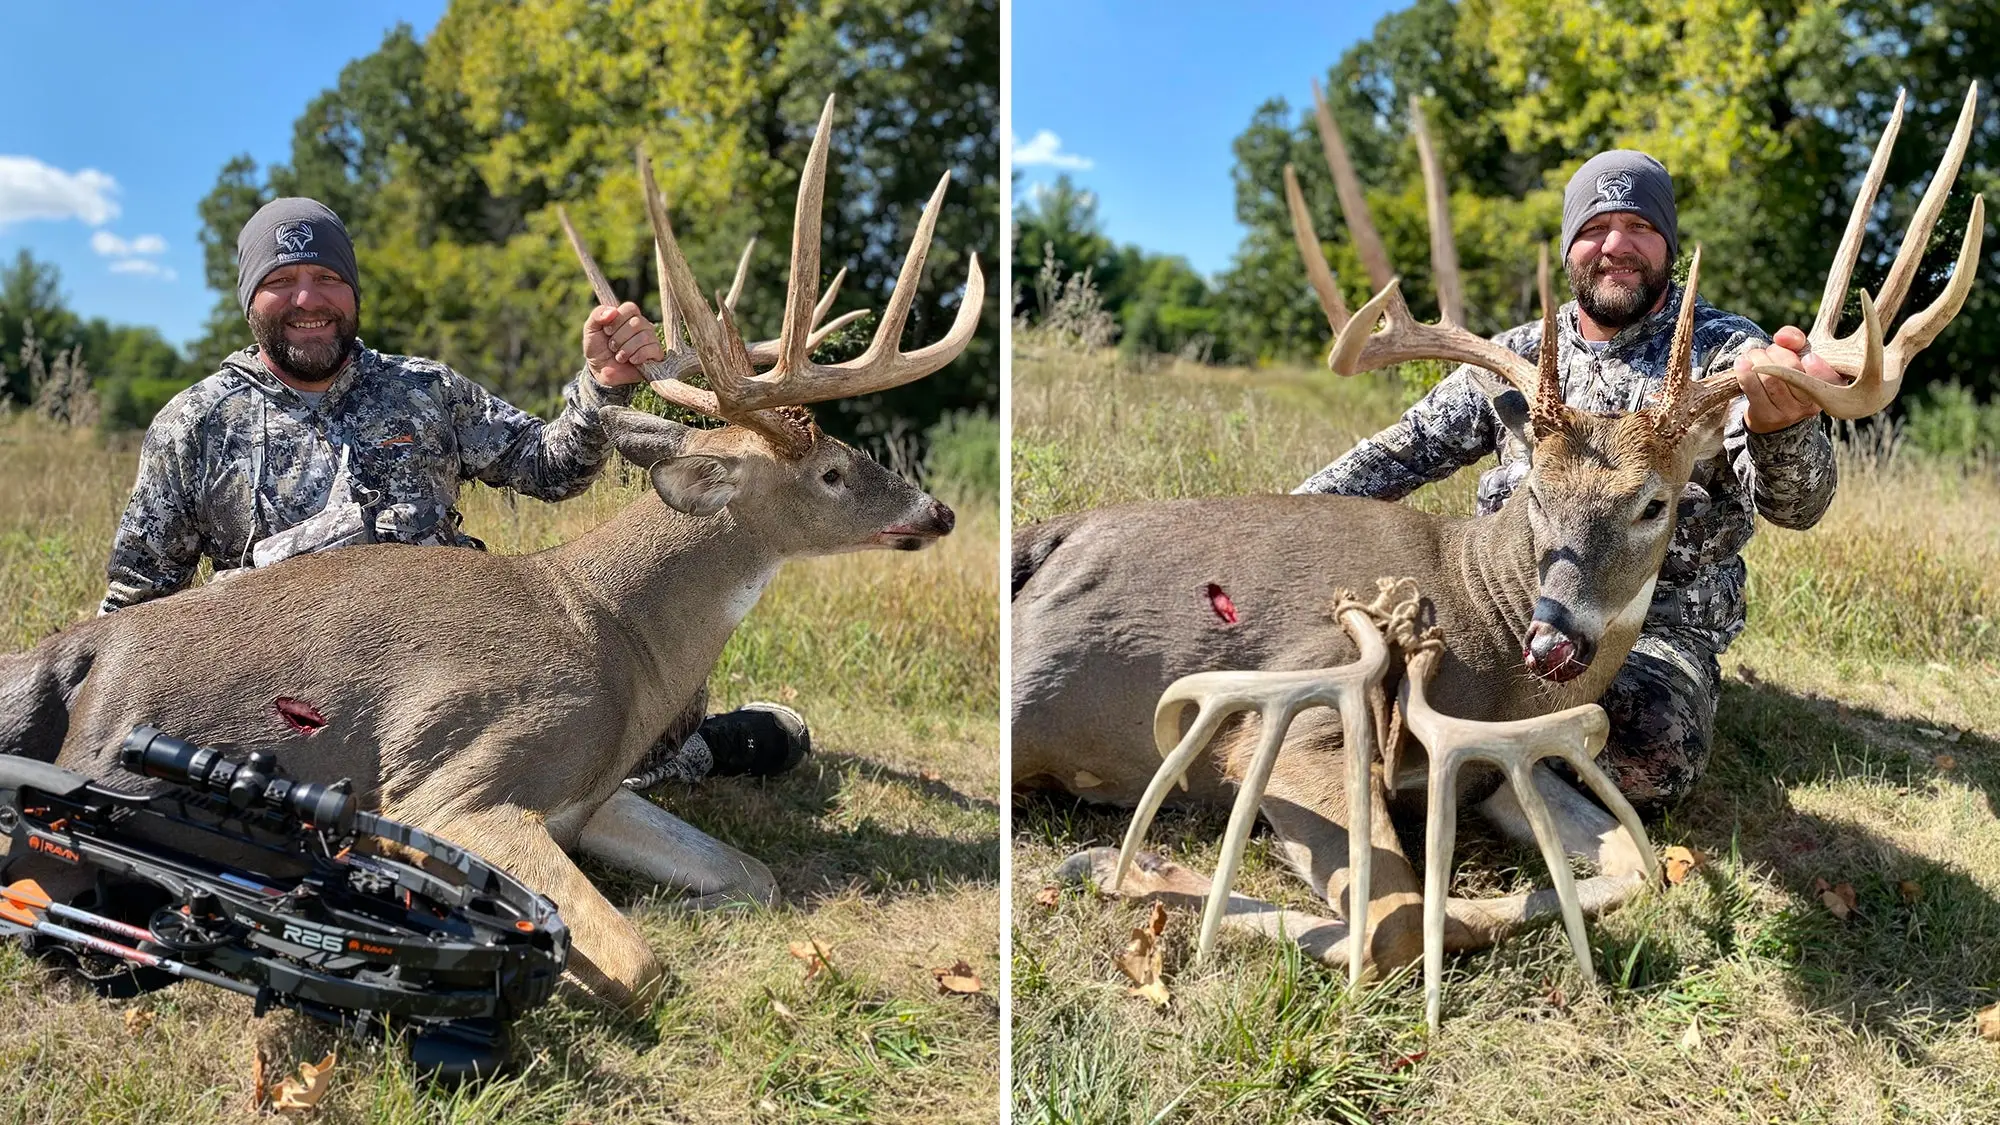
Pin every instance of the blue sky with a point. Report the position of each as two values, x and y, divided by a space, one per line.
1145 99
116 117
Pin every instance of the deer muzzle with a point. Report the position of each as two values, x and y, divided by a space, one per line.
916 534
1552 655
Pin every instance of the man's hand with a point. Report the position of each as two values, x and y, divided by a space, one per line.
1773 403
616 341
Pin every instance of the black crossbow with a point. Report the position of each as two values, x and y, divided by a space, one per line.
280 890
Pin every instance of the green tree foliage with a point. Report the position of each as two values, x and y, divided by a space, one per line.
447 159
31 303
1766 112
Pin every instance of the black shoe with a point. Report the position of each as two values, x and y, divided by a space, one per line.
757 740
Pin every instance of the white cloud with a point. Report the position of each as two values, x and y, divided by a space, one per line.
111 246
30 189
1045 148
144 266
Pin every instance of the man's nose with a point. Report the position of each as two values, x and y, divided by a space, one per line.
1616 242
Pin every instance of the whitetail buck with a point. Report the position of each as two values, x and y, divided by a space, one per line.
496 701
1112 606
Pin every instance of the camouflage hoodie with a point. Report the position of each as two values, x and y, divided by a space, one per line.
240 456
1787 476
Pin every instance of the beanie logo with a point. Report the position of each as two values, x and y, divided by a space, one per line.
293 236
1614 187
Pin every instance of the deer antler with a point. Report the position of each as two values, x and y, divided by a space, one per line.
1277 697
1574 735
1876 372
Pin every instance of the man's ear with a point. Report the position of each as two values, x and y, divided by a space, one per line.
641 438
698 484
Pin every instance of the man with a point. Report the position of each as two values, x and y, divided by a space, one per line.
309 440
1620 239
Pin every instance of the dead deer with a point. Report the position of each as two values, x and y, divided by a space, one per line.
1110 607
499 701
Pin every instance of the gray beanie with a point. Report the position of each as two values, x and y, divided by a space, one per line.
1622 180
285 232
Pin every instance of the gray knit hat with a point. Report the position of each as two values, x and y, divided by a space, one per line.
285 232
1622 180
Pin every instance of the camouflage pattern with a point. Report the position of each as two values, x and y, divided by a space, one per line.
239 457
1788 476
1662 702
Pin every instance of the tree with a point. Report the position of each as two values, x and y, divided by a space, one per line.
31 305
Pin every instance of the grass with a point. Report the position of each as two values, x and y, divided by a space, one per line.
1735 997
883 844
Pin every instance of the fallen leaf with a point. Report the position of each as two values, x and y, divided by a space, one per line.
1555 998
814 954
1930 732
1953 734
1910 890
787 694
1691 1039
1407 1060
778 1006
1838 898
1945 762
1048 896
301 1095
958 979
1680 861
1747 674
930 775
260 1086
1989 1022
1140 962
138 1020
1842 712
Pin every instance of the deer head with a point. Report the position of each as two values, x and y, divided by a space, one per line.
1601 491
770 463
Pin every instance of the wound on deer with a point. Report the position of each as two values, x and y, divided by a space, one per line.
1220 603
298 714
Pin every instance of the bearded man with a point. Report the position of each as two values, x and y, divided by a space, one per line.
309 440
1620 239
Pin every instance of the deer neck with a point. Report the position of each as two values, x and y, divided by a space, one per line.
673 586
1497 564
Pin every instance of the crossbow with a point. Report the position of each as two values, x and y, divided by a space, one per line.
281 890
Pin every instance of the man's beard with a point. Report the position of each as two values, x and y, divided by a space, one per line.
313 361
1614 304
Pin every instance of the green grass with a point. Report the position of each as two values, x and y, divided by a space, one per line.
883 845
1735 997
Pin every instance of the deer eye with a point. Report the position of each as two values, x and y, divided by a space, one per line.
1654 510
831 476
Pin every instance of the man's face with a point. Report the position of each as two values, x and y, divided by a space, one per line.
305 318
1618 269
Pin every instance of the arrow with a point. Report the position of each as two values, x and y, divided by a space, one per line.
25 897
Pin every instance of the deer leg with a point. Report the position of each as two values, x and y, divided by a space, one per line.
1148 878
633 834
608 955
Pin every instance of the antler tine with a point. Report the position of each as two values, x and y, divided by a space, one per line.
742 271
1360 348
1875 375
600 285
1671 415
1547 412
1444 253
1353 204
1330 301
664 376
802 287
670 312
1574 735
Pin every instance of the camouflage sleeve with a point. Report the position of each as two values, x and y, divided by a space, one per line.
158 543
507 447
1789 473
1449 428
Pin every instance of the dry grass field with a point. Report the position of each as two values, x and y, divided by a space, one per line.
1858 741
884 845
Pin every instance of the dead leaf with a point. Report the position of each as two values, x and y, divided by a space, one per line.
1838 898
1910 890
1555 998
1140 962
1747 674
1930 732
138 1020
1945 762
1842 712
778 1006
1989 1022
1680 862
1048 896
787 694
260 1086
303 1094
815 955
958 979
930 775
1691 1039
1406 1060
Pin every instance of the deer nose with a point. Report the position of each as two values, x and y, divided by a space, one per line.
1552 655
944 517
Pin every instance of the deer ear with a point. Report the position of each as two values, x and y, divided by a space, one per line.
698 484
643 439
1512 408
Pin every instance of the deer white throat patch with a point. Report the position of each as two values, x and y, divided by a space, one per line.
741 600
